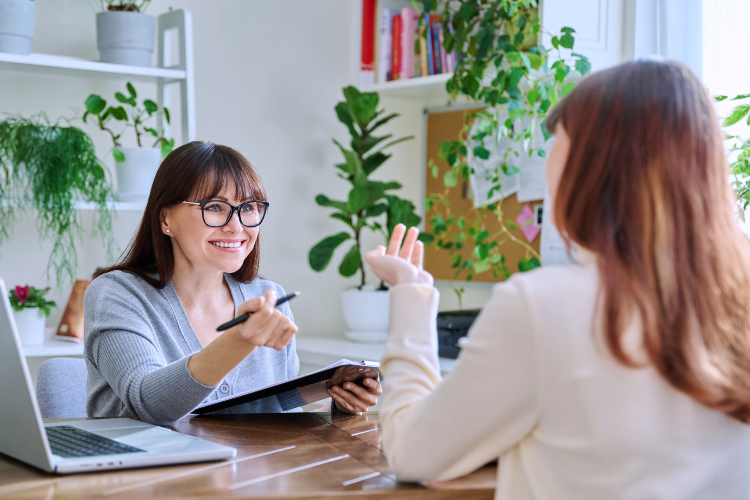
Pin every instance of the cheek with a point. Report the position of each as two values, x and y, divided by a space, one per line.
554 169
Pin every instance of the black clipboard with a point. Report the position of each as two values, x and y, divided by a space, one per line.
271 390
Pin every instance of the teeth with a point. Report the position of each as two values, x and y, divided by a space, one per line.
222 244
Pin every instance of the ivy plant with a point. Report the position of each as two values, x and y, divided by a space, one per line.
370 204
48 167
502 65
133 115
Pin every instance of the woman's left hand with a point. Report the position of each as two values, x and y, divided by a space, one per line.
355 392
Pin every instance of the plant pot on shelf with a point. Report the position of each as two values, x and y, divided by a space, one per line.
366 314
30 324
16 26
136 174
125 37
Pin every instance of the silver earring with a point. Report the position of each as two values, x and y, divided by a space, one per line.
167 230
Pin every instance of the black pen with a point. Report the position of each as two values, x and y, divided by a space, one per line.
246 316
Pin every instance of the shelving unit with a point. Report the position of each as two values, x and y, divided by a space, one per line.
421 87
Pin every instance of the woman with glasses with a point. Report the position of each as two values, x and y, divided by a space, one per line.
151 345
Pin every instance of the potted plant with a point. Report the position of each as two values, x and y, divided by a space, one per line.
135 166
16 26
30 309
370 205
124 34
48 167
502 65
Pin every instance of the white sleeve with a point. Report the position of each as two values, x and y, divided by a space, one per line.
435 430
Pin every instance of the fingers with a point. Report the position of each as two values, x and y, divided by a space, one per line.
353 398
267 326
417 258
378 251
408 248
396 237
267 301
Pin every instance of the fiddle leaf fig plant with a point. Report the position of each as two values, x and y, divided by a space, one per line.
370 204
133 115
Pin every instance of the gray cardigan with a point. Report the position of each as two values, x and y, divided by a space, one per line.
138 340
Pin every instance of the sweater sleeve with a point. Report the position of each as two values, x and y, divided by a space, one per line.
121 343
438 430
291 400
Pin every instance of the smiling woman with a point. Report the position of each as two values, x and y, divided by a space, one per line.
152 348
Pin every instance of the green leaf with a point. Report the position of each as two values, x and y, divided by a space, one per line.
363 105
342 217
121 97
400 211
742 96
324 201
344 114
166 115
151 106
481 152
738 114
567 88
535 60
720 98
512 224
376 210
567 41
95 104
118 113
583 66
426 238
555 42
131 90
450 179
372 162
320 255
528 264
381 122
119 156
352 260
567 30
358 197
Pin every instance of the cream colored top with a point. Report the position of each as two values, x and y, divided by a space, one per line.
536 386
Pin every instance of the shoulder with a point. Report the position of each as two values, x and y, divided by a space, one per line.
551 284
257 287
117 285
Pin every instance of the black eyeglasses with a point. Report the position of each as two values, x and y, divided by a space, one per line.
217 213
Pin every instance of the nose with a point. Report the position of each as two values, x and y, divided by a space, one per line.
234 224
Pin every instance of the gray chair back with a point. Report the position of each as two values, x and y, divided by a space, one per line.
61 388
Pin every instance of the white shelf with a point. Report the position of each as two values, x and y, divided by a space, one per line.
62 65
52 348
319 350
422 87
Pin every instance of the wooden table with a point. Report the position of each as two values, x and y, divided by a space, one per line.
291 455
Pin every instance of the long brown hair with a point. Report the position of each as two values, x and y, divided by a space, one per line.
193 172
645 187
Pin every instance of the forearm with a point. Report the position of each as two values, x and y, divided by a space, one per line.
217 359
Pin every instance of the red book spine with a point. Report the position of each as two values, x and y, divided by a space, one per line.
367 59
434 21
396 48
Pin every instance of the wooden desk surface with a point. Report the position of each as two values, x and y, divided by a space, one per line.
291 455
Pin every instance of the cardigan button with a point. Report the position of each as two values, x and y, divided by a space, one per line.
224 388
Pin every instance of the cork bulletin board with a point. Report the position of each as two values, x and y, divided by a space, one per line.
444 126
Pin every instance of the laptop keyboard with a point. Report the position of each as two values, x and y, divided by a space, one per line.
67 441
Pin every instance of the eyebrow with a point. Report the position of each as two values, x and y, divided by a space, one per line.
243 200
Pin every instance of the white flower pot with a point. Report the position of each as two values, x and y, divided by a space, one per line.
16 26
30 324
136 174
125 37
366 314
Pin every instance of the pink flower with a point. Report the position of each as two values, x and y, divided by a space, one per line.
22 293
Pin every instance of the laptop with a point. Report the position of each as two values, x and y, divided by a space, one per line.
76 446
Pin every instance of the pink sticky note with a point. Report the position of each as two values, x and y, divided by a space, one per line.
530 229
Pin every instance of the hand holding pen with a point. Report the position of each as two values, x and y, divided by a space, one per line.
265 325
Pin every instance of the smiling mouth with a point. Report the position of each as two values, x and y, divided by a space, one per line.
226 244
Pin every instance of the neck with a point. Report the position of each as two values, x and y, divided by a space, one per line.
203 290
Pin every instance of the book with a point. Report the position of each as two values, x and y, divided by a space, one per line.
367 48
428 43
424 68
436 48
384 45
396 48
322 375
443 58
71 322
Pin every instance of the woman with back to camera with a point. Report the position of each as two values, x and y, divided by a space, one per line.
151 345
626 375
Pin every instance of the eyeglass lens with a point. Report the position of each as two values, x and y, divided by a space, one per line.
217 213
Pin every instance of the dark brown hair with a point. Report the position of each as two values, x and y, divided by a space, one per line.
193 172
645 187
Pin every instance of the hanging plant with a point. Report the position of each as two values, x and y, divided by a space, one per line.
48 167
501 64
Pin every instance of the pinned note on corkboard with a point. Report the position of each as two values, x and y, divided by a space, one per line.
446 126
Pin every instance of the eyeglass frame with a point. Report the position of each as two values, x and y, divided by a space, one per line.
232 210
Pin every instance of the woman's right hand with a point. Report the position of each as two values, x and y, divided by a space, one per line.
400 265
267 326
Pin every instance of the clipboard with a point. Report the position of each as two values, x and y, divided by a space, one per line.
315 377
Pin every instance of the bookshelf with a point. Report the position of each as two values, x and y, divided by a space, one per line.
422 87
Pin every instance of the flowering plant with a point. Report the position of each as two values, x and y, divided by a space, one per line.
28 296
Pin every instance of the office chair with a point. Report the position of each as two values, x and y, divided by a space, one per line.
61 388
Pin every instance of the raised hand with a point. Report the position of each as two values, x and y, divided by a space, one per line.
400 264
